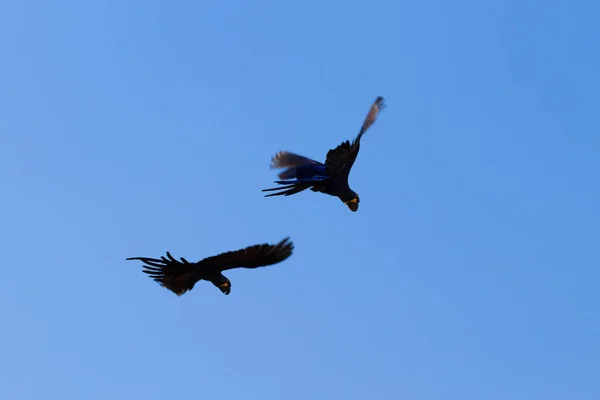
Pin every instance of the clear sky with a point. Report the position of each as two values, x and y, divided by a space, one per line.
470 271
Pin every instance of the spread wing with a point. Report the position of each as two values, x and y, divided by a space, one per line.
177 276
259 255
284 159
339 161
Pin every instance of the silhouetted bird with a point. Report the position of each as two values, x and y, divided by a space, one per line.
181 276
331 178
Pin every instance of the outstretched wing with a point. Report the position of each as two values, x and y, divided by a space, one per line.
259 255
285 159
177 276
339 161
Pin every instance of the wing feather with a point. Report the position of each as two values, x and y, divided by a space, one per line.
339 161
285 159
259 255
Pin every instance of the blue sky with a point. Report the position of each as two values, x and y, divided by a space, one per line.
470 270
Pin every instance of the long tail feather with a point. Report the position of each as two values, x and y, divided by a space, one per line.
177 276
279 188
310 179
288 190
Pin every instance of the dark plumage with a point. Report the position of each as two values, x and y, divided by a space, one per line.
181 276
331 178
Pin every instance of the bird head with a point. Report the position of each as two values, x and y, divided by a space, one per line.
225 287
353 203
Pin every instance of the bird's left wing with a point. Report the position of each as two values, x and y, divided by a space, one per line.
259 255
339 161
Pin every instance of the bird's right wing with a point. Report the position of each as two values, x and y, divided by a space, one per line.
177 276
259 255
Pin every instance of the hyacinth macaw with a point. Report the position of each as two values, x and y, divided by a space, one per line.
331 178
181 276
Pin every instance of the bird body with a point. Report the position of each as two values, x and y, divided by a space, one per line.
330 178
181 276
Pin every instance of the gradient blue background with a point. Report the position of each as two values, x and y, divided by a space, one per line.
470 271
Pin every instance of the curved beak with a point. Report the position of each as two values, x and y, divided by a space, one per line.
225 288
352 204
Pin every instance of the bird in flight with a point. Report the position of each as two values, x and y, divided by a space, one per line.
331 178
181 276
